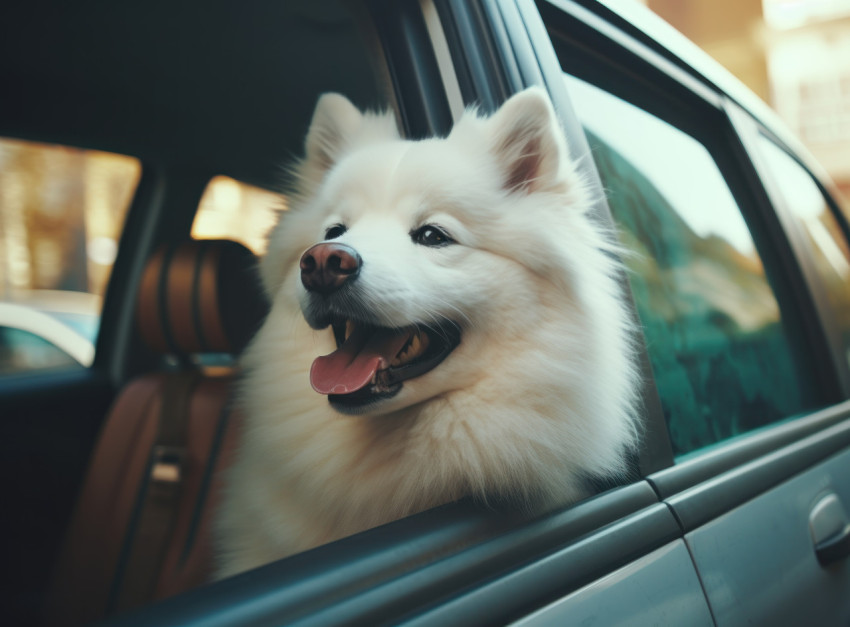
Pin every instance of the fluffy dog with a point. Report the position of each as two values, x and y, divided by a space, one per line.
446 321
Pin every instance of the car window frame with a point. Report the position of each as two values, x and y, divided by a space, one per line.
162 211
749 129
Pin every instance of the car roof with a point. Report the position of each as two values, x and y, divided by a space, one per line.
167 81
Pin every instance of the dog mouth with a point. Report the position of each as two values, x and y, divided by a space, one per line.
371 362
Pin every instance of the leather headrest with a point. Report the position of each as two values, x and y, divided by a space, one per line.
200 297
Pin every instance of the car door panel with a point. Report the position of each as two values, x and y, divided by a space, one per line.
658 589
758 561
712 498
591 558
746 502
49 423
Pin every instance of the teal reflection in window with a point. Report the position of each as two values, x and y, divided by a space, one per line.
826 245
719 351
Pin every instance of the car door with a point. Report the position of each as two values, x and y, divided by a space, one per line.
778 552
761 442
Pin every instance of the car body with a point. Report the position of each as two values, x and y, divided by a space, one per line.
48 329
35 340
738 513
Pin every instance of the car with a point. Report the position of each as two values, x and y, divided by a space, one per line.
48 329
737 256
30 339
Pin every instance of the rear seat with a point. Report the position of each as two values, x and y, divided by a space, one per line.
140 531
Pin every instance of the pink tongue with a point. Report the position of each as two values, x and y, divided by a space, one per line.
352 366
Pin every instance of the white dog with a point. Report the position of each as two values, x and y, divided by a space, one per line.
446 321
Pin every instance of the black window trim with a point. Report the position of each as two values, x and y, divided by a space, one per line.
413 69
485 76
162 211
749 129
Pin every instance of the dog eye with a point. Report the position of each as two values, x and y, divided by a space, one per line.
430 235
335 231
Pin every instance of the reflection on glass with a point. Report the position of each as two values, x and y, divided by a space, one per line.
720 356
826 242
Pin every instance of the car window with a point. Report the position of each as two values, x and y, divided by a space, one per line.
826 242
717 342
231 209
61 214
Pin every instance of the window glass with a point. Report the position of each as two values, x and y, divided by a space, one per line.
826 242
719 351
61 214
230 209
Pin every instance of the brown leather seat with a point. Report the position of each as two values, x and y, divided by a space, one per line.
140 531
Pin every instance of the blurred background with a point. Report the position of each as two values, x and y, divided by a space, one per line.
794 54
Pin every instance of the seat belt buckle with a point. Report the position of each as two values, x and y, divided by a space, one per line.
168 464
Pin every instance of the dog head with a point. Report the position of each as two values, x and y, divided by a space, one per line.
440 264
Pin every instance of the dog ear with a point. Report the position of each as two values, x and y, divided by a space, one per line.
334 121
528 142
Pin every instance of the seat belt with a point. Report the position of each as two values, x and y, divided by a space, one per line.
156 514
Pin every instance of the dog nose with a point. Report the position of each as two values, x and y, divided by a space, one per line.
326 267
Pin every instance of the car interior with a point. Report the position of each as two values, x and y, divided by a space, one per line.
192 91
112 470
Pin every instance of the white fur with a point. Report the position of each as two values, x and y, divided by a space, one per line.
538 394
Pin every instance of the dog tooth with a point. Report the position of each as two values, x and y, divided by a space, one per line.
415 344
349 328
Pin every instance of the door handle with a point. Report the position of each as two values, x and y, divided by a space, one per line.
830 530
835 548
